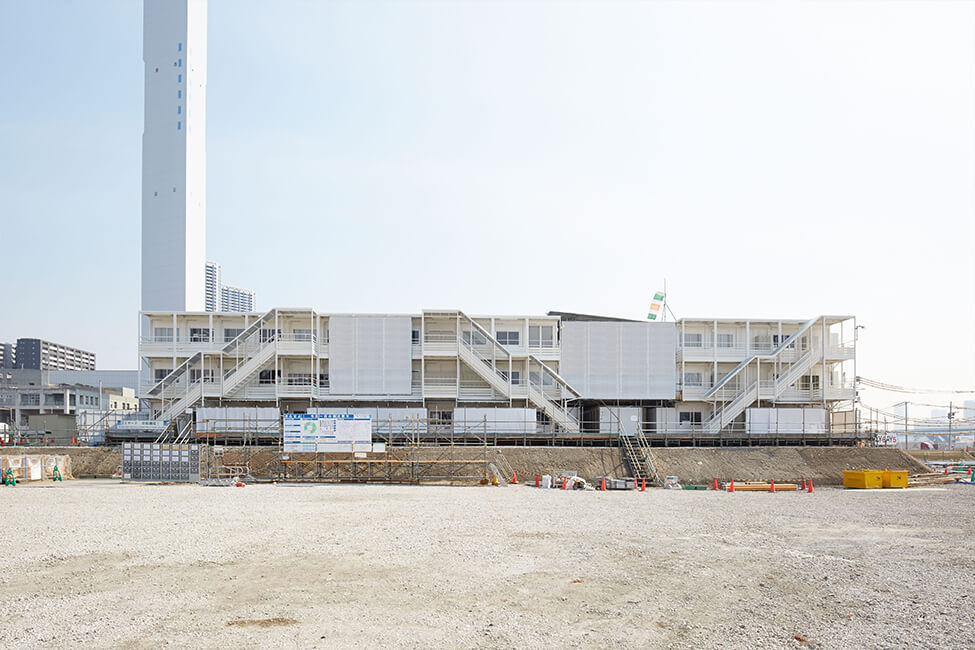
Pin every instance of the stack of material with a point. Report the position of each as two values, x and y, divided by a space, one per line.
35 467
932 478
763 487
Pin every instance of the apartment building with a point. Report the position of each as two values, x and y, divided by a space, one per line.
236 299
572 376
36 354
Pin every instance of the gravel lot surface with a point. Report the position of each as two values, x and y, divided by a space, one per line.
99 564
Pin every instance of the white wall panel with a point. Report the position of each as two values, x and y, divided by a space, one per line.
490 420
620 361
370 355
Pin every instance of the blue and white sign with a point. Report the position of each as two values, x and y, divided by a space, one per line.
313 433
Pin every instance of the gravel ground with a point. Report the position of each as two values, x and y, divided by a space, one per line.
99 564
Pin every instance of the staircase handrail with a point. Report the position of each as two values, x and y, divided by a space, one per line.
771 355
173 374
558 378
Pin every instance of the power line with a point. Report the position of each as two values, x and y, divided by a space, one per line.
903 389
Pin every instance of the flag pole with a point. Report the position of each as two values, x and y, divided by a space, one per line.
664 310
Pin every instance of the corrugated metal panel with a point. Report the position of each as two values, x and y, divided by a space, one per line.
370 355
341 355
608 360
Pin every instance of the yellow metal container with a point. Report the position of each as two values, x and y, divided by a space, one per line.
863 479
895 478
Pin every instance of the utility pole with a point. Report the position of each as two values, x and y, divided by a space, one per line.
904 404
951 415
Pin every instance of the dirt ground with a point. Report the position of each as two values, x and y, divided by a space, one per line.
824 465
101 564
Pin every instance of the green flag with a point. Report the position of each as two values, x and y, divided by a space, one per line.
658 296
652 316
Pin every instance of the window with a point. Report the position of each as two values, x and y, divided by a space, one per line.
180 62
693 340
269 335
323 379
179 94
508 337
30 399
179 47
179 78
441 417
230 333
778 339
689 417
179 127
199 335
540 336
415 337
473 338
726 340
206 375
515 376
299 379
267 377
179 110
693 379
540 379
302 335
158 374
809 382
162 334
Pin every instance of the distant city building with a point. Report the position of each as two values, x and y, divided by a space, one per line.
235 299
35 354
212 286
222 297
6 355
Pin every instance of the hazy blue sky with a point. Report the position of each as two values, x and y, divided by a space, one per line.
767 158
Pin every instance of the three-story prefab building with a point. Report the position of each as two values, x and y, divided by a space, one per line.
558 377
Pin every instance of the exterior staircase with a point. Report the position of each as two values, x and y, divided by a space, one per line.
744 386
252 352
480 351
640 458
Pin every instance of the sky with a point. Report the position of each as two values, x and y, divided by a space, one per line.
766 159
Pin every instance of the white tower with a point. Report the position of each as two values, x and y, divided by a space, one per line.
174 45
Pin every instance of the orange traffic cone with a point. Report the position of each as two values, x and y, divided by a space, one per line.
946 469
715 486
731 486
643 485
563 482
803 485
771 486
536 480
514 477
603 485
809 485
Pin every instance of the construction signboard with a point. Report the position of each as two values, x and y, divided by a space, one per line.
327 432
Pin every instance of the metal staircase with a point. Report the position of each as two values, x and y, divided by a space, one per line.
744 386
480 351
551 381
252 351
636 448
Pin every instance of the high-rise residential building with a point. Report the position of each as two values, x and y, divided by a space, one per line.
236 299
6 355
174 155
213 286
35 354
